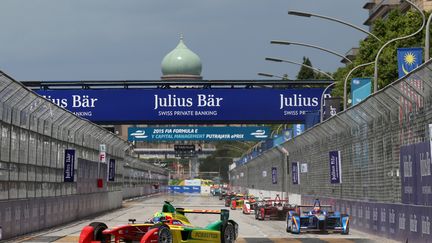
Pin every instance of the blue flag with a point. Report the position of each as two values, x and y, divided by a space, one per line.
360 89
409 59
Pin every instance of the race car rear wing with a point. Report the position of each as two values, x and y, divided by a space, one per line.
311 206
224 213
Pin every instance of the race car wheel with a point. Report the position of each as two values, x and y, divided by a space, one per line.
294 229
262 214
98 229
288 227
165 235
228 234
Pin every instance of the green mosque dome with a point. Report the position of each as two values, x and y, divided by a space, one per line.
181 63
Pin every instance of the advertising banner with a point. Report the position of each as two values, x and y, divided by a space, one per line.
274 175
298 129
424 177
184 189
335 167
69 165
195 182
150 134
295 173
312 118
332 106
111 170
408 174
409 59
360 89
282 138
188 105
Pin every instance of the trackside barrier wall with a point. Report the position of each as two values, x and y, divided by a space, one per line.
384 144
34 135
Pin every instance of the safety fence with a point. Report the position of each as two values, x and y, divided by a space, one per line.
33 191
377 151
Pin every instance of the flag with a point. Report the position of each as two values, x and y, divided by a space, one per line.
409 59
360 89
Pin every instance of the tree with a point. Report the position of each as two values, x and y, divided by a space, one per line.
305 72
220 160
395 25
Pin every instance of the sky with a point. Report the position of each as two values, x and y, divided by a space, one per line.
127 39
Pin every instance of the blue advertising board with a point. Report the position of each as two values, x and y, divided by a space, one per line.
408 174
188 105
184 189
360 89
111 170
298 129
69 165
295 173
150 134
335 167
274 175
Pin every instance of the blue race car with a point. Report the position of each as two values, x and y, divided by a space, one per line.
317 220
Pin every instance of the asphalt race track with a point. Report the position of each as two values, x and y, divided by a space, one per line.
250 230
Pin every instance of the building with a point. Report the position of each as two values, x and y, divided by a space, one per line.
380 8
181 63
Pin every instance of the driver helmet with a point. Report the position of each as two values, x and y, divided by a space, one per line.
316 210
157 217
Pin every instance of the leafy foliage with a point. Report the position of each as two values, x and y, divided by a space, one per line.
305 72
396 24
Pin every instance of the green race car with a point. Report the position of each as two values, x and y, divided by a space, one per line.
168 226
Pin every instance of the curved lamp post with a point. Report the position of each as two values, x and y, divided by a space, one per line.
305 14
427 41
272 76
297 63
346 80
280 42
393 40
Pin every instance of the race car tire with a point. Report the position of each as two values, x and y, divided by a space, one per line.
262 214
97 233
294 229
345 232
288 228
228 234
165 235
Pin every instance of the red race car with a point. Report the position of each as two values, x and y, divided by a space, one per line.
249 206
273 209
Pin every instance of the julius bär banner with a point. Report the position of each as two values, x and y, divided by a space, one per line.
188 105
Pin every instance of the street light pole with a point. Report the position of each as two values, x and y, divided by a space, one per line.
280 42
393 40
271 76
346 80
297 63
427 41
305 14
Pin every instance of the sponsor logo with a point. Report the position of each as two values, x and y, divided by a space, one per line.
139 134
259 134
204 235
